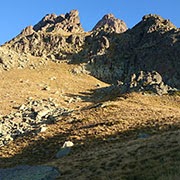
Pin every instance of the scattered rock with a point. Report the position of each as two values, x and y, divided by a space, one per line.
79 70
68 144
43 129
143 135
46 88
31 117
53 78
27 172
65 149
146 81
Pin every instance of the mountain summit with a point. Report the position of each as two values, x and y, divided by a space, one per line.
103 104
111 24
110 52
69 22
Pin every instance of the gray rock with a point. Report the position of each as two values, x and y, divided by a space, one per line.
104 42
47 20
27 31
42 114
146 81
111 24
27 172
111 52
65 149
31 117
143 135
67 144
69 22
63 152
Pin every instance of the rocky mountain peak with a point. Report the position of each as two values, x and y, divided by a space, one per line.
27 31
153 22
50 17
70 22
46 20
111 24
150 50
72 15
109 16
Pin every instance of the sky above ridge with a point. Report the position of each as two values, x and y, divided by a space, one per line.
16 15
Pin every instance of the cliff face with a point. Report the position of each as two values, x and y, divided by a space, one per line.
56 37
110 52
68 22
152 45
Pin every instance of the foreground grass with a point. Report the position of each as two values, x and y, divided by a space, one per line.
107 129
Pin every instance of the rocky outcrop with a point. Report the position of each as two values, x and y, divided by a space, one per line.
69 22
152 45
29 118
11 59
46 22
110 24
29 172
151 82
157 23
48 45
27 31
54 36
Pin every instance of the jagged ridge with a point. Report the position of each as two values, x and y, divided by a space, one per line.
110 51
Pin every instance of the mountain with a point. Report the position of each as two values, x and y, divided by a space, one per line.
151 45
144 58
102 104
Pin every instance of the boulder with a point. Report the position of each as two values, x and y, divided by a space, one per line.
29 172
31 117
146 81
65 149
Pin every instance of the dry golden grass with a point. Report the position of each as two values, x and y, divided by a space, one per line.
106 130
19 84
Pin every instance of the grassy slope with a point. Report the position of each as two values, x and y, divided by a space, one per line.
106 134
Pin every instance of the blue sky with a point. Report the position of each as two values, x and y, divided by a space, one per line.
16 15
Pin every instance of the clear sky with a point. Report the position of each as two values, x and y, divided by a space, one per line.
17 14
